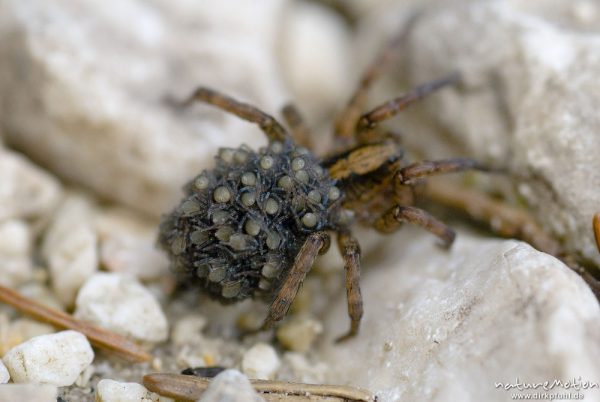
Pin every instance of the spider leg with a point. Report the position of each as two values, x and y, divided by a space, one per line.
501 217
267 123
295 122
315 243
389 109
350 251
395 216
345 123
409 174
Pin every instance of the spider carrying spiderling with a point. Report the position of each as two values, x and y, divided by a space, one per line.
253 226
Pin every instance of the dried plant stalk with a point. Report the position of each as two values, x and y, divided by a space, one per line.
596 226
101 338
190 388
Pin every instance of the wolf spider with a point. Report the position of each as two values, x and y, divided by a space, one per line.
254 226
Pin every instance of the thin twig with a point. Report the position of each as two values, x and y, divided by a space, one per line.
190 388
98 337
596 226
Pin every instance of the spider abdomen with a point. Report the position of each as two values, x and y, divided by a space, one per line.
239 226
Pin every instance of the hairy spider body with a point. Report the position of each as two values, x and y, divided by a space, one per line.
241 225
253 226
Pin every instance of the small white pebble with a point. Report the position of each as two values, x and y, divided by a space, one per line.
121 304
188 328
70 248
15 248
4 376
299 334
28 392
116 391
85 376
230 386
55 359
260 362
133 255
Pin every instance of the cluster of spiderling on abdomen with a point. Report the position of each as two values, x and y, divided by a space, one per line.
240 225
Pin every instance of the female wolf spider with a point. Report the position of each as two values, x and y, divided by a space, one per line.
253 226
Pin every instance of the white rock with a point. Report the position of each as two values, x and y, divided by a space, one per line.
56 359
128 244
260 362
231 386
26 191
28 392
188 328
315 54
135 256
445 326
299 333
20 330
4 375
528 101
78 110
115 391
15 248
120 303
296 367
70 248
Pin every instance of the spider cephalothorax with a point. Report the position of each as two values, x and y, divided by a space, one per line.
253 226
241 225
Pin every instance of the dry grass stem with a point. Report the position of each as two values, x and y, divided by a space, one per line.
101 338
190 388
